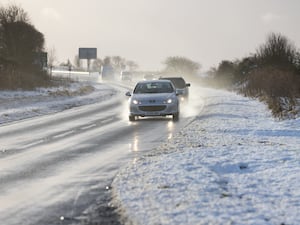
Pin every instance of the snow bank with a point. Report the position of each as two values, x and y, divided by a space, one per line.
17 105
234 164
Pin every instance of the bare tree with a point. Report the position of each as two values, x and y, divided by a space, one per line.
118 63
97 64
132 65
77 62
181 65
107 60
51 56
278 52
13 13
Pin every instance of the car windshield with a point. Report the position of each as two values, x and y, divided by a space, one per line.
153 87
178 82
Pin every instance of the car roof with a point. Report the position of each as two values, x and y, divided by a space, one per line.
171 78
156 81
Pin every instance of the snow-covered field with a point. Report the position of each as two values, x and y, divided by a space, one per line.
17 105
234 164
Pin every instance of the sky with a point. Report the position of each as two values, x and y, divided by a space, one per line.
149 31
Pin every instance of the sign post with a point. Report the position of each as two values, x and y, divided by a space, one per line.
88 54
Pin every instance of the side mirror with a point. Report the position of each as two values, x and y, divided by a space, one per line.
187 84
128 94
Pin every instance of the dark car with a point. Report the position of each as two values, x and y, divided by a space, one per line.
181 86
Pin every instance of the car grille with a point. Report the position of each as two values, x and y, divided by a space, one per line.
152 108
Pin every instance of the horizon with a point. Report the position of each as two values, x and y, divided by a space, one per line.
148 32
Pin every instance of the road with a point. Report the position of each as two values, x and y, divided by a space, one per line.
57 169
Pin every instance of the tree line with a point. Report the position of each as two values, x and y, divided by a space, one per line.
271 74
175 65
22 45
117 62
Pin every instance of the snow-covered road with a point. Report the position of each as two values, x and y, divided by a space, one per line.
56 165
234 164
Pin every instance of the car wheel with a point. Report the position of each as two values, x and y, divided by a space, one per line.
131 118
176 117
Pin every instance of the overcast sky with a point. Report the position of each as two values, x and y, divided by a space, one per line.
148 31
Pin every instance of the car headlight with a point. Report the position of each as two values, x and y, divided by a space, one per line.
168 101
134 101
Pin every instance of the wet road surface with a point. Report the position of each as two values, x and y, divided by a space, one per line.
57 169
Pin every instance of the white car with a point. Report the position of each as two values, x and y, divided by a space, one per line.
126 75
153 98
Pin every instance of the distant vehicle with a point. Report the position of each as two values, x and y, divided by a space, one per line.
107 72
153 98
126 75
181 86
149 77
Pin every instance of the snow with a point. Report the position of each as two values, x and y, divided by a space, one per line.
233 164
17 105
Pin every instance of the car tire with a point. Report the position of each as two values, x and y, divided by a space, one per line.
176 117
131 118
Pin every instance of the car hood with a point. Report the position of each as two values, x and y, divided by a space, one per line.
154 96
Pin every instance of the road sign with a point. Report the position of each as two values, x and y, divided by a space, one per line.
88 53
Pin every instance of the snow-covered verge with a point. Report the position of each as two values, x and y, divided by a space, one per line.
233 164
17 105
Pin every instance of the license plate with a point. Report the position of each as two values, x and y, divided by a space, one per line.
153 113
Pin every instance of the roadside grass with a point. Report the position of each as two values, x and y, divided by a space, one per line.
23 80
278 89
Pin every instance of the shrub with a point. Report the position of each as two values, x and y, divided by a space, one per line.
20 45
278 88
